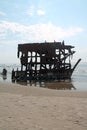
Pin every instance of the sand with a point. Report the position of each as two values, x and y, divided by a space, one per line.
35 108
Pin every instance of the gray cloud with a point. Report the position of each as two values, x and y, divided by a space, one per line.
37 32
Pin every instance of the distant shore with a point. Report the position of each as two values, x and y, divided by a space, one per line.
35 108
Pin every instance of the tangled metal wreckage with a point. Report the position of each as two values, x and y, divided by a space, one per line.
44 61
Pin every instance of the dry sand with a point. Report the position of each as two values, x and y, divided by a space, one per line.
30 108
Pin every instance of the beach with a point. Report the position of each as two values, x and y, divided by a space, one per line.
35 108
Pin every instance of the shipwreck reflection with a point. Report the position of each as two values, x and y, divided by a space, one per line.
58 85
4 77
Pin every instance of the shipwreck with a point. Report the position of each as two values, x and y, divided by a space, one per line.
44 61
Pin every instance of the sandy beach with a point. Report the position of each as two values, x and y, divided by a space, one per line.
35 108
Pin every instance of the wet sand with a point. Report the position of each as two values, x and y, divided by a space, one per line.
35 108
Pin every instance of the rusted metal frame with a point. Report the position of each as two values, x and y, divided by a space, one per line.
61 51
41 46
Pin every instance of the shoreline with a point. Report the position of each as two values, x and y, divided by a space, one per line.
28 90
36 108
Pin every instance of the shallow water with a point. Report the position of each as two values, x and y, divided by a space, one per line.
78 80
79 77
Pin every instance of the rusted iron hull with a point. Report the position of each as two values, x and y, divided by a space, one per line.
23 77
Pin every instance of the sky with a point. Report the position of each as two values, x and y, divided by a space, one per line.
29 21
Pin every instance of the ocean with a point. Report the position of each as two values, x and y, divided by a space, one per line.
78 79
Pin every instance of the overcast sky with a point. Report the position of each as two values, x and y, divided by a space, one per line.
27 21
